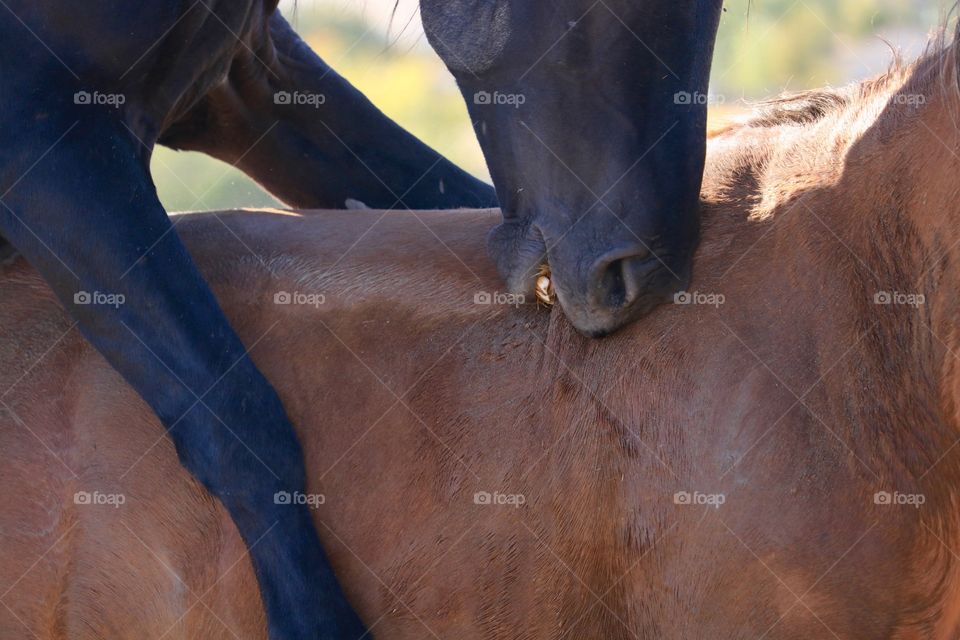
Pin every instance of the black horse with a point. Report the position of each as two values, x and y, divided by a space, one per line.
88 88
592 117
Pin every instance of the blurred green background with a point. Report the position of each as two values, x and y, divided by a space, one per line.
764 47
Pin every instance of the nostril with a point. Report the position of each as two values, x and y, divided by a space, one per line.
619 280
611 287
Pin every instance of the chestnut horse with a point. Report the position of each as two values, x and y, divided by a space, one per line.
774 456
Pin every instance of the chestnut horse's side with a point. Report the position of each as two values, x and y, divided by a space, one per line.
772 457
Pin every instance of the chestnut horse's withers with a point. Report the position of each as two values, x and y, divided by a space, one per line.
772 457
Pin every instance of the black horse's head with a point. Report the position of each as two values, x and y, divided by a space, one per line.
592 117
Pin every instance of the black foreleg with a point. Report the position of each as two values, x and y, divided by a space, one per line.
88 219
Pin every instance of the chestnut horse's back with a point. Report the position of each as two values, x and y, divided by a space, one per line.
105 535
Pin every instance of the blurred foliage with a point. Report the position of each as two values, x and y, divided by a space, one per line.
769 45
765 46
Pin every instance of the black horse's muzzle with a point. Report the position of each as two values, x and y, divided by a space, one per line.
600 289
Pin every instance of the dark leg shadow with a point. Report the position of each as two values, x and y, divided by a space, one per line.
7 252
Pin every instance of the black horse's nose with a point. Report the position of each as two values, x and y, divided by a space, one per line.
618 278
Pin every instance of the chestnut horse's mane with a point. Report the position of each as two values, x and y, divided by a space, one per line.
937 66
